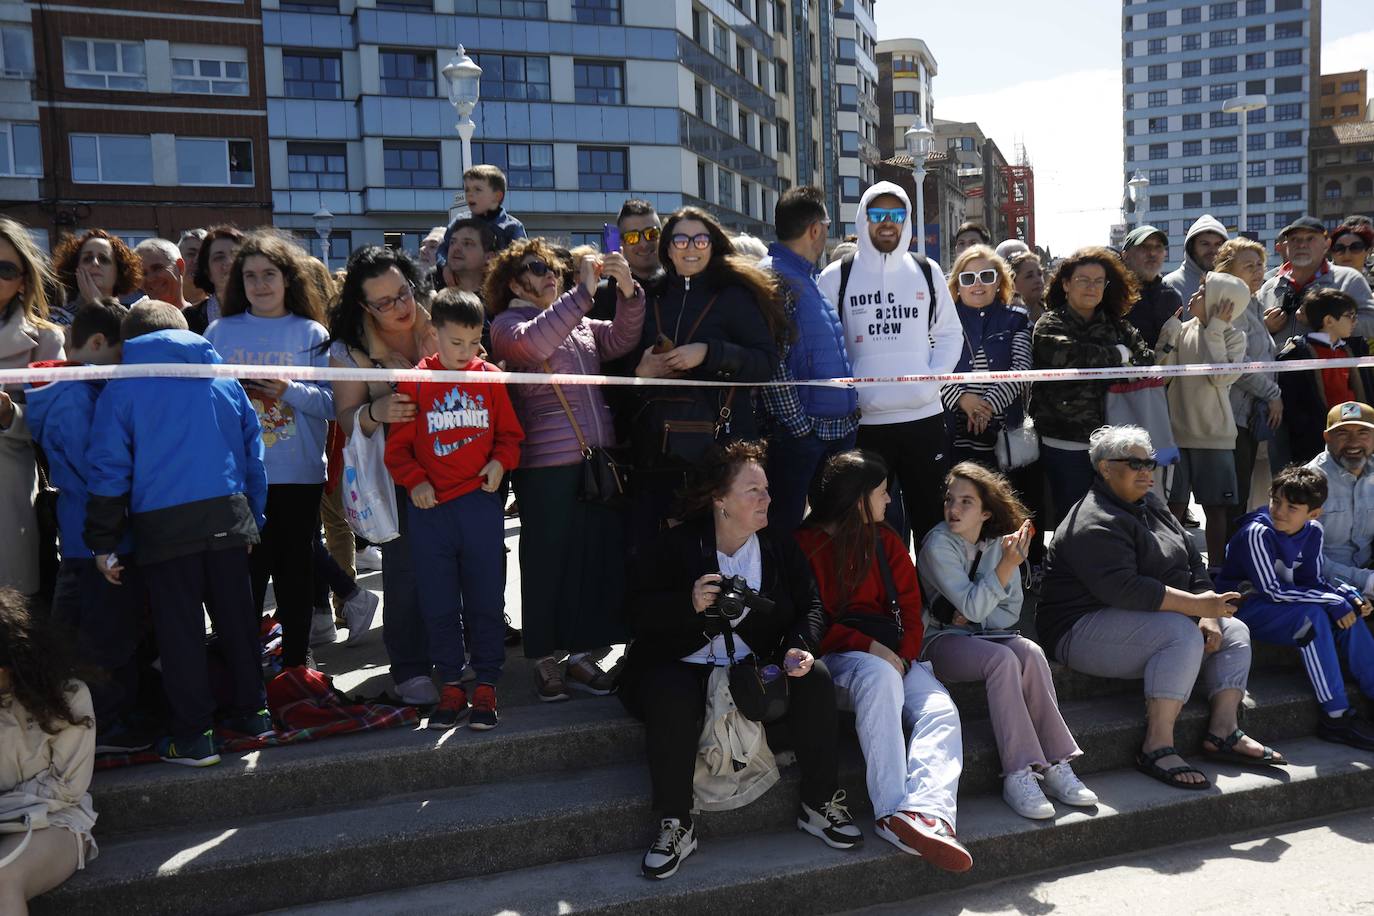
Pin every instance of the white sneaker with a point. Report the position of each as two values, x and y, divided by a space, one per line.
418 691
674 844
322 631
369 560
358 611
1021 791
1062 783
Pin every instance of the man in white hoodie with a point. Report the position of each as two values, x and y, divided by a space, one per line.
890 330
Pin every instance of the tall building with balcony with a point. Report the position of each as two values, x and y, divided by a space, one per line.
144 118
856 82
583 104
1181 62
906 73
1342 171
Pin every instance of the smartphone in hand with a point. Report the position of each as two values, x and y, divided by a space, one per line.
610 238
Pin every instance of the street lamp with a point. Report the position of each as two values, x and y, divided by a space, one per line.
918 140
324 224
464 89
1136 188
1241 106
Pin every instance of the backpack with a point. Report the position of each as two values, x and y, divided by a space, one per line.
847 265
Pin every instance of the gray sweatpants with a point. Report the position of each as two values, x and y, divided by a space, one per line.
1163 647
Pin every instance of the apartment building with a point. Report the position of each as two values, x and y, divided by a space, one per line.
1344 98
1342 171
856 81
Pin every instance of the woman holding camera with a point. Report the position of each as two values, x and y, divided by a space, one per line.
677 624
868 584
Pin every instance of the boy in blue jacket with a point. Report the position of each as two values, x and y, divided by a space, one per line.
105 621
1276 557
180 462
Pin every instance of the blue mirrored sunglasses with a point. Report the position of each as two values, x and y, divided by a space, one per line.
886 215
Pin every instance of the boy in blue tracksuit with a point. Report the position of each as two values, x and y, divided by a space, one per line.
1276 556
105 621
180 462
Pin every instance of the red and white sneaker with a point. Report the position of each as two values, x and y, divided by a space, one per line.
928 837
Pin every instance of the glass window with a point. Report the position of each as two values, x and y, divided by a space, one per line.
1290 58
1254 7
1159 151
507 9
1258 195
21 150
16 52
598 12
527 165
310 6
411 165
1222 91
780 75
1288 29
1159 125
1192 173
1222 65
408 73
1258 116
1156 20
1222 38
784 138
511 76
849 141
312 76
1257 142
1156 72
111 159
227 75
1287 192
1192 95
1332 190
1192 121
720 41
1288 166
1159 201
1192 147
1157 46
1192 199
1291 111
1222 119
93 64
1224 198
1222 145
1288 138
602 168
1257 169
703 185
1257 222
1192 42
905 103
1192 14
317 166
218 163
1157 99
743 126
1254 87
1159 176
722 112
725 188
746 198
1192 68
1254 33
599 82
1221 11
1256 61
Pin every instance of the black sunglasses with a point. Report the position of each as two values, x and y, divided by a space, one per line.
1352 247
1137 464
10 270
538 268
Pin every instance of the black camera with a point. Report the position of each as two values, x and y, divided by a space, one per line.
736 595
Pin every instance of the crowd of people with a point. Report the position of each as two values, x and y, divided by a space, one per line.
769 551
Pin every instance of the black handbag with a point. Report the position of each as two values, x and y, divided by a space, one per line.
756 697
941 608
885 628
680 428
603 478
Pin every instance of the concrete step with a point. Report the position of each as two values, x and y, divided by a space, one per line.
785 869
226 860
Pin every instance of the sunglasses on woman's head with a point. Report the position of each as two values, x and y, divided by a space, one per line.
635 236
10 270
887 215
1137 464
701 241
986 277
537 268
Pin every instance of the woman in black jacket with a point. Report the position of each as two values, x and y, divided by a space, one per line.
678 642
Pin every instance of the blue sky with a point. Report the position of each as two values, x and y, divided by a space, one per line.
1017 68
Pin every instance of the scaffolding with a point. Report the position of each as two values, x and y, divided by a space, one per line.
1018 207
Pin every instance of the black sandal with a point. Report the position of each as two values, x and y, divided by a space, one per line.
1227 753
1146 764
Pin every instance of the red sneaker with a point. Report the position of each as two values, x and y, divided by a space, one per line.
452 708
927 837
483 708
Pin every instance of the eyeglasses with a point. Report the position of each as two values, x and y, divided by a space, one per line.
537 268
635 236
1137 464
382 306
887 215
1085 283
701 241
1353 248
10 270
986 277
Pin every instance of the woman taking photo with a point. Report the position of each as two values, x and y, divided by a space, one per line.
572 562
678 644
93 266
868 585
996 338
211 274
272 316
971 565
47 730
1082 328
26 336
378 324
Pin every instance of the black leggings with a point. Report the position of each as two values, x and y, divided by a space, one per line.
670 698
286 556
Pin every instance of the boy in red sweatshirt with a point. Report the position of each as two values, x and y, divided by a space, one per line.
451 457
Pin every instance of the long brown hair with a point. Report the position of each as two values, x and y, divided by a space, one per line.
728 268
839 502
39 666
1007 512
1121 294
128 266
33 299
302 295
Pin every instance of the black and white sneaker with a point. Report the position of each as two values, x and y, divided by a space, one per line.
674 844
832 823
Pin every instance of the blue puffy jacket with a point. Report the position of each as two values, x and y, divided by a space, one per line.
179 458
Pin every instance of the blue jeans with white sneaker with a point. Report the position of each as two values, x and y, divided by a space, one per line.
921 774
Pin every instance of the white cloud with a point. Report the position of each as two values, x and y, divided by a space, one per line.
1071 128
1349 52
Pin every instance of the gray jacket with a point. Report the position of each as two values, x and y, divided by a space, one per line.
1259 347
1278 291
1185 280
944 564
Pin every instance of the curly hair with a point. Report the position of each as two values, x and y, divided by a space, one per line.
996 494
1121 294
128 266
839 502
39 666
37 274
1006 287
507 266
201 277
729 268
715 472
302 295
347 320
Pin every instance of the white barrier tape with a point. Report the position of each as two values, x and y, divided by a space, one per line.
330 374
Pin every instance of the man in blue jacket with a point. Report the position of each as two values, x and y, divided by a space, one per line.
808 423
180 461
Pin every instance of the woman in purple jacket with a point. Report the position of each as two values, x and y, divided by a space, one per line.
572 578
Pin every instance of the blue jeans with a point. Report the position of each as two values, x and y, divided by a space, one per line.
458 547
792 463
1070 474
403 632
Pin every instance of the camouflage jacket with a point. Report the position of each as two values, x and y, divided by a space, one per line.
1071 410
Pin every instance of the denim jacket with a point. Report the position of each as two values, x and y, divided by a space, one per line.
1347 521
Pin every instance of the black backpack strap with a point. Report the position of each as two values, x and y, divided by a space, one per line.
923 262
846 268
